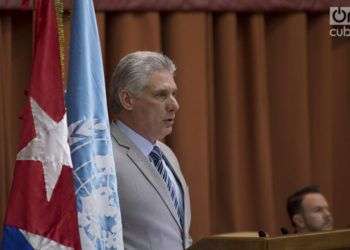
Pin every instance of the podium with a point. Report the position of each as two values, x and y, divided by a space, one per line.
330 240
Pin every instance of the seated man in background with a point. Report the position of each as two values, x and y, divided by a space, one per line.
308 210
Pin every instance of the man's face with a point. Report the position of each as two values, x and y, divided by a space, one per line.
315 213
154 109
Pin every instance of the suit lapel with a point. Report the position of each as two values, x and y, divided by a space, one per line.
147 169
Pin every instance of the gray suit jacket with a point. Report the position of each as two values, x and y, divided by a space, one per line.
148 214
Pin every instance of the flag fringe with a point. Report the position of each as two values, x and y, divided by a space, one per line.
60 30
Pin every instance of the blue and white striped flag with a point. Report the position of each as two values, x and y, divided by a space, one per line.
89 137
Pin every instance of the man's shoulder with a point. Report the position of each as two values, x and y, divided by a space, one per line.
165 148
118 137
168 152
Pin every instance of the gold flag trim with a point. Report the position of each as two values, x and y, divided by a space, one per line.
60 30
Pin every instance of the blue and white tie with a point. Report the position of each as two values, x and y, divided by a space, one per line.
156 156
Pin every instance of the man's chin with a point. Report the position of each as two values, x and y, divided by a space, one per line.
327 228
320 228
167 131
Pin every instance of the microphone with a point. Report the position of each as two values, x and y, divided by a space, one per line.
262 234
284 231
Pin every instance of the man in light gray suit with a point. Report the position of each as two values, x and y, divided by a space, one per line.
154 198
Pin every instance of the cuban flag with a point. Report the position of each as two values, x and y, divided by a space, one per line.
89 137
41 211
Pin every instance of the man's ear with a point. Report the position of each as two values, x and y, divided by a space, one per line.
126 99
299 220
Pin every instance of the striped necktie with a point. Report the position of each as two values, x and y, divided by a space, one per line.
156 156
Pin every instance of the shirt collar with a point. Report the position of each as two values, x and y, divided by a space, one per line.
141 142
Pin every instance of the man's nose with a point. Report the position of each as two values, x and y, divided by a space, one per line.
173 105
327 213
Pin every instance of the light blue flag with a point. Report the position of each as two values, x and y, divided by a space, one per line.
89 137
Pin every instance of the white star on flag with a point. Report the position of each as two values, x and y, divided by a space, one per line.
50 146
43 243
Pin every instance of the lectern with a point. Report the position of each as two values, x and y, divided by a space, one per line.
330 240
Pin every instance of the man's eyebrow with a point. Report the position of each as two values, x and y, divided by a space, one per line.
166 89
318 207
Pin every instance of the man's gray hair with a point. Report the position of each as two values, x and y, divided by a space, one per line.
133 73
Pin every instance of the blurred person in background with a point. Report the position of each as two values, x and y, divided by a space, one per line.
309 211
